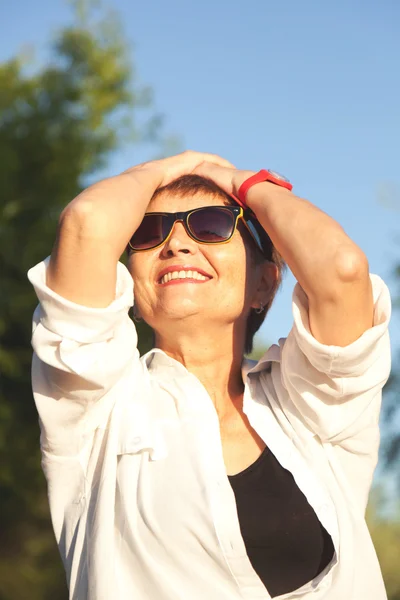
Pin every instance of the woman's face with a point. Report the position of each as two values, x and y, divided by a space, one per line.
231 282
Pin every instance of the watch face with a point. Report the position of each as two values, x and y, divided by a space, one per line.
278 176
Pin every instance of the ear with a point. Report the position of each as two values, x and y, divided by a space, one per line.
267 283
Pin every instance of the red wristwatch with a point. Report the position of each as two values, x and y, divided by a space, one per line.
259 177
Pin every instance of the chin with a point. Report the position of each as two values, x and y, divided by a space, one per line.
182 311
171 311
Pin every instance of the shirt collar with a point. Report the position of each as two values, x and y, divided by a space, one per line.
157 361
263 364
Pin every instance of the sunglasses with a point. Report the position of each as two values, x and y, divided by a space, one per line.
205 225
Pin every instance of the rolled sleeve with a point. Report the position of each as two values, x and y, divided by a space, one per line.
80 354
74 321
337 390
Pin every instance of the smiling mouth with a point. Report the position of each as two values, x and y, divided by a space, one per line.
183 277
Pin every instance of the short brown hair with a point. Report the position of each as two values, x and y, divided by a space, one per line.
190 185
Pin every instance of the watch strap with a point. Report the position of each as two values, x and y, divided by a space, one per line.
260 177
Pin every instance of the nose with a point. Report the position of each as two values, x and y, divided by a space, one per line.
179 242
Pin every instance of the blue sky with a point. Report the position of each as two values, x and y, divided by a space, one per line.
310 89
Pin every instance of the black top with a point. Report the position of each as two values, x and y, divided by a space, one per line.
285 542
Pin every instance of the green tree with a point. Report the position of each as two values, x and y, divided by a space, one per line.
391 397
58 126
385 531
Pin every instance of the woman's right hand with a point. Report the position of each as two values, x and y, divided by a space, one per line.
172 167
95 228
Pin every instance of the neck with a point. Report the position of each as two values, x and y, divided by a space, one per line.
215 360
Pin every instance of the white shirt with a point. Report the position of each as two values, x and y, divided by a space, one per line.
141 504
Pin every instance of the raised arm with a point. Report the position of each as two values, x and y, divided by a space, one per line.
331 269
96 226
84 342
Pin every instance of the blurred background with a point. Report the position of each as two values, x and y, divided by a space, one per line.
309 88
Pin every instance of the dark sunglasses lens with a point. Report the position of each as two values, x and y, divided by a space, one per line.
151 232
212 224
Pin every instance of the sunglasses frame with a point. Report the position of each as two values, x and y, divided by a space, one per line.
183 217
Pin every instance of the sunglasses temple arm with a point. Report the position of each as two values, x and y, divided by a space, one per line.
253 232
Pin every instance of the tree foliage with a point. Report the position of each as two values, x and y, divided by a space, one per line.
58 126
391 404
385 531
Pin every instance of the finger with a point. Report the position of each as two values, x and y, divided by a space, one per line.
221 175
198 157
217 160
210 167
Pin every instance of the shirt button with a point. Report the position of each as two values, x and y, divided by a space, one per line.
136 440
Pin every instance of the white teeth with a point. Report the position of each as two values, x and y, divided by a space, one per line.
182 275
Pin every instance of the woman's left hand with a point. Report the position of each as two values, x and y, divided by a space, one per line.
227 178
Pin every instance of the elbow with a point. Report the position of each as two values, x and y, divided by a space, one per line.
75 214
84 222
351 265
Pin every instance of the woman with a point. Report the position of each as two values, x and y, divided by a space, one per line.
191 473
